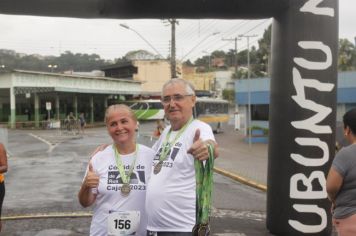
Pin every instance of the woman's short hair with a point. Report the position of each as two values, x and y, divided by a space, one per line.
114 107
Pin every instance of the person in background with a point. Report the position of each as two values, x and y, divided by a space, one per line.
116 179
341 181
159 128
3 169
82 122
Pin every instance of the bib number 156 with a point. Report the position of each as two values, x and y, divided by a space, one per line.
123 222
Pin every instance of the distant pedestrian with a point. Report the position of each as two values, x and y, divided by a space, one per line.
82 122
341 181
3 169
70 121
159 128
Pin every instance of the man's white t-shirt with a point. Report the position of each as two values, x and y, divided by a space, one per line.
171 194
109 196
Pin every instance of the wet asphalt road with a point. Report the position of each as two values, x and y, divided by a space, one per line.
45 172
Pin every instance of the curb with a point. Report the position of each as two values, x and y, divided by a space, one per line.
241 179
48 215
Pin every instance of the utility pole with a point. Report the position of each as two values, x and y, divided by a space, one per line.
248 85
173 23
234 39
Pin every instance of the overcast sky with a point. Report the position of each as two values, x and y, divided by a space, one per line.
52 36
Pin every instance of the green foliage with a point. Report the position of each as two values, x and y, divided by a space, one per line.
66 61
229 94
188 63
347 55
265 130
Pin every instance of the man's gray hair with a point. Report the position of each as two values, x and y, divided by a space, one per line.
189 88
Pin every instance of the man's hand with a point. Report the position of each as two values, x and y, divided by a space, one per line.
99 149
199 148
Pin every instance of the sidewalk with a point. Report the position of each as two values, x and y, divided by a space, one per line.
239 159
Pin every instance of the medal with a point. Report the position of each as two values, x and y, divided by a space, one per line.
166 147
158 167
195 230
204 230
125 190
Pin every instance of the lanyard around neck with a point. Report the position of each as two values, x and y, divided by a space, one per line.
167 145
125 178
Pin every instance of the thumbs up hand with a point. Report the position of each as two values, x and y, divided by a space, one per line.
91 179
198 149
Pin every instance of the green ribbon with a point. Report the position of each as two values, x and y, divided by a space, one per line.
204 187
125 178
167 145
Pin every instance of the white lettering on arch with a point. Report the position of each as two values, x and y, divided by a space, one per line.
309 193
309 228
321 111
312 7
305 161
313 65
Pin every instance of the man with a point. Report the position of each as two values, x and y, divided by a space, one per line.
171 191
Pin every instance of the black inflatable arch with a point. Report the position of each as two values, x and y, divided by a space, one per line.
303 90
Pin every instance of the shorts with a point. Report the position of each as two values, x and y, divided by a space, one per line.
346 226
2 195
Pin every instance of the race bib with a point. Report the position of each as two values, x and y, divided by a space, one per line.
123 222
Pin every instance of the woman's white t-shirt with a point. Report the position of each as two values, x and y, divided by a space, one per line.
109 196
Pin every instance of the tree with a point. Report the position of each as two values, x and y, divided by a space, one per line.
66 61
264 51
229 94
140 55
347 55
188 63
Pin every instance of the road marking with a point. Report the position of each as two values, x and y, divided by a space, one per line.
252 215
51 145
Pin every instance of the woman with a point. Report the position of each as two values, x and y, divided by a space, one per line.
116 178
3 169
341 181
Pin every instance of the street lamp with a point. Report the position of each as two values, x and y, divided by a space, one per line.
52 67
248 85
129 28
215 33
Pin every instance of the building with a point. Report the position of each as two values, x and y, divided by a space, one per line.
151 73
29 97
260 95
